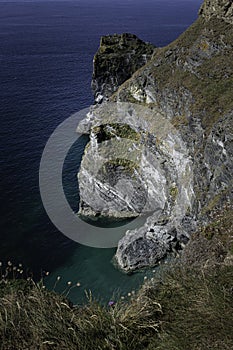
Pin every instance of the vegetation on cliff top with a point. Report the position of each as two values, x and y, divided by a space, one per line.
199 61
111 130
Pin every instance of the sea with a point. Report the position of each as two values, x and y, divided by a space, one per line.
46 55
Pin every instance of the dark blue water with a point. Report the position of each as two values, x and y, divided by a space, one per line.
46 52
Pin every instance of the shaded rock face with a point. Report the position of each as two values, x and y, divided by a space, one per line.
187 160
144 247
118 57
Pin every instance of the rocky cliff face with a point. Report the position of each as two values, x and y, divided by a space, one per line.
132 165
222 9
118 57
164 141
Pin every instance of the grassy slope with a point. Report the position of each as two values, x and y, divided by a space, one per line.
211 85
188 307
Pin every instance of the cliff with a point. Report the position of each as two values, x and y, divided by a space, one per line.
171 123
168 132
221 9
118 57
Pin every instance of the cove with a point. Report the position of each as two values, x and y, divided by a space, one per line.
92 268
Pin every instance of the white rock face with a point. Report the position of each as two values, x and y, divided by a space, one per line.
136 164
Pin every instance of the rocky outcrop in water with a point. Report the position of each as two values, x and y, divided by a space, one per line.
168 131
118 57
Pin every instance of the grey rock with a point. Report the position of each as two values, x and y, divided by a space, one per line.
220 8
118 57
144 247
178 110
136 174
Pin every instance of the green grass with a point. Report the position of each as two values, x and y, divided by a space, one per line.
112 130
33 318
128 167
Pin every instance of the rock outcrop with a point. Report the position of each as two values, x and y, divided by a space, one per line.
132 165
118 57
163 142
222 9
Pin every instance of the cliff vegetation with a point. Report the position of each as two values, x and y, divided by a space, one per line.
186 306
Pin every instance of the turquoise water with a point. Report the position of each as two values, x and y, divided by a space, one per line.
94 270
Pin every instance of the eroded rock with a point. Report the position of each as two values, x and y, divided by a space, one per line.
178 145
118 57
220 8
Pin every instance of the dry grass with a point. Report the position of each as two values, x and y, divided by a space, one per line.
32 317
197 310
184 308
189 306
